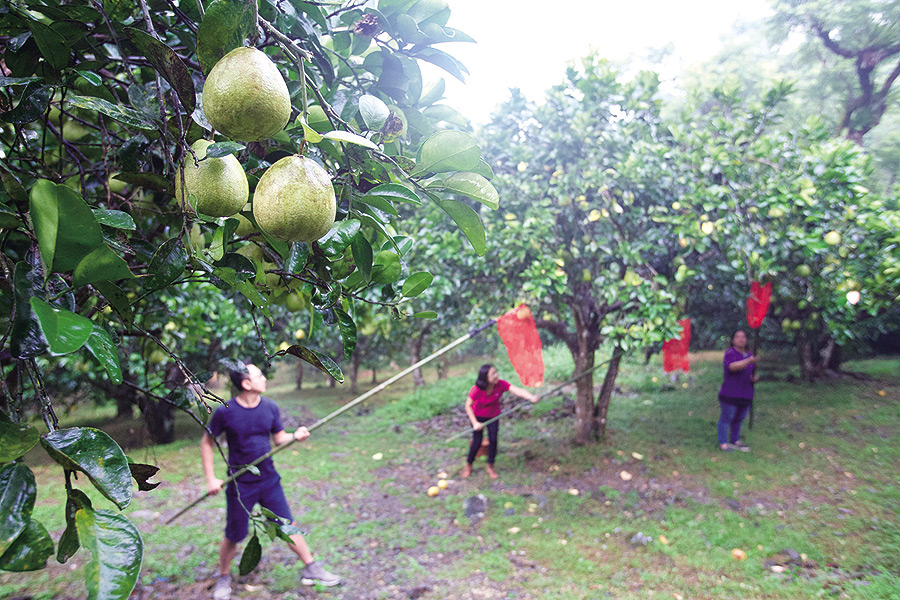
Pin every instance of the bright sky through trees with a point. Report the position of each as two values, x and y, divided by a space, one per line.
527 45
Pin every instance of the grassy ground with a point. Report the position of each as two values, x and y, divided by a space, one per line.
818 495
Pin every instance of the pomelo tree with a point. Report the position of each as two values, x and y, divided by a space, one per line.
100 103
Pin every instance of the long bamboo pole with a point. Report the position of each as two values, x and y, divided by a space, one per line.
339 411
543 395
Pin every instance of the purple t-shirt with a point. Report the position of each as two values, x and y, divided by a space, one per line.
248 432
737 384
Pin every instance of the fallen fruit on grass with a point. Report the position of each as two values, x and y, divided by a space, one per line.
882 393
377 456
625 475
574 492
777 569
637 455
434 491
442 475
245 96
513 530
654 379
663 540
219 184
442 484
294 200
738 554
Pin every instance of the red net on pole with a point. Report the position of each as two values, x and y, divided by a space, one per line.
675 352
758 303
523 345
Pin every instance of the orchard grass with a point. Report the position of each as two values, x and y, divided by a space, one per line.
821 479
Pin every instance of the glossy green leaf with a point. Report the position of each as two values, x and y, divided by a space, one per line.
380 203
362 255
117 299
17 494
474 186
297 258
417 283
34 102
102 264
26 338
309 134
319 361
117 219
30 551
68 542
167 265
433 93
15 439
426 314
374 111
14 188
393 192
124 115
150 181
468 221
220 149
101 345
64 224
52 45
350 138
483 169
386 268
250 556
443 60
341 235
64 330
95 454
348 331
91 77
447 151
167 64
117 551
8 218
225 25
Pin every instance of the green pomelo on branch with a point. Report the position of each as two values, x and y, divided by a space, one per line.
219 184
245 96
294 200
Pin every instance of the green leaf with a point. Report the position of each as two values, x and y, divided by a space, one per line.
167 64
26 337
483 169
30 551
309 134
167 265
380 203
220 149
417 283
348 331
52 45
15 440
350 138
443 60
117 299
95 454
297 258
474 186
14 188
341 235
393 192
426 314
447 151
102 264
225 25
117 219
124 115
362 255
91 77
65 331
250 557
117 551
468 221
386 268
64 224
319 361
150 181
68 543
34 102
374 111
17 494
8 218
100 344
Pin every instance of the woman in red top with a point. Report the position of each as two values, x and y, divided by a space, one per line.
483 404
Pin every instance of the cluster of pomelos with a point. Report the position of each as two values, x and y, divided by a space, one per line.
245 98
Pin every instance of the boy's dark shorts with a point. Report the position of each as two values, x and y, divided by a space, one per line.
268 494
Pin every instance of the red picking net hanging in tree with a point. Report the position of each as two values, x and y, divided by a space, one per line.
758 303
675 352
523 345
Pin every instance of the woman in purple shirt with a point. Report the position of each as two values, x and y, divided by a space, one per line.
736 394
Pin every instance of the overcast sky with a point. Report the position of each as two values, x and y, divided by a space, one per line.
528 44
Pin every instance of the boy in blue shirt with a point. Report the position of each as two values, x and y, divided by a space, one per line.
249 422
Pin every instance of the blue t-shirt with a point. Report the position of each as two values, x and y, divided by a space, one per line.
248 432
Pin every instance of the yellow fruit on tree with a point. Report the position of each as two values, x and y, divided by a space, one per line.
219 184
299 334
245 96
832 238
294 200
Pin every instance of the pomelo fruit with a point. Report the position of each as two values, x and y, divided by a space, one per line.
832 238
294 200
219 184
245 96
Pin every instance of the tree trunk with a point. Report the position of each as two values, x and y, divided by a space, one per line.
415 355
354 373
374 376
602 406
159 417
444 367
584 398
299 374
124 407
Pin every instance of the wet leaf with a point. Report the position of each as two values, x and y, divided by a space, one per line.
374 111
117 299
362 255
101 264
350 138
34 102
64 225
17 494
95 454
69 543
26 338
101 345
225 25
474 186
220 149
417 283
64 330
15 439
251 555
30 551
168 65
117 551
348 331
117 219
167 265
319 361
124 115
468 221
447 151
341 235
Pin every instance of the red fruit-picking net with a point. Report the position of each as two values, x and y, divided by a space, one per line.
523 345
758 303
675 352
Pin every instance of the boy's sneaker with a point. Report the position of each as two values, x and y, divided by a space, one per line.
222 589
314 573
740 446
